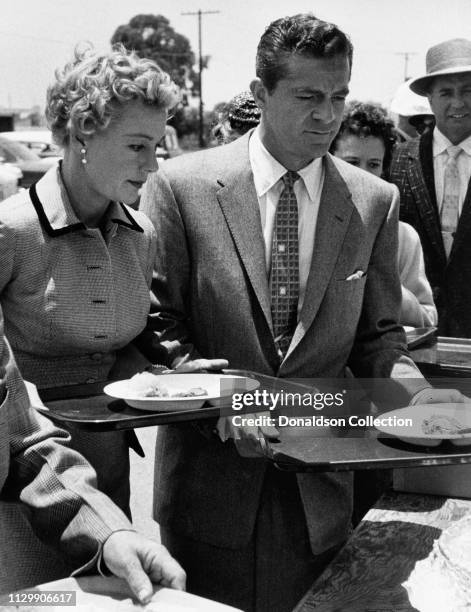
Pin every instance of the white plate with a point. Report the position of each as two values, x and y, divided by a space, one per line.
414 433
218 386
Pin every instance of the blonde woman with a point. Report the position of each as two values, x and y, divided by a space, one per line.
76 259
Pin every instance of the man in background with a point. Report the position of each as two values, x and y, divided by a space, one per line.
433 174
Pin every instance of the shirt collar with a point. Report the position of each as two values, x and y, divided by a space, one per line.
267 171
56 214
441 143
121 214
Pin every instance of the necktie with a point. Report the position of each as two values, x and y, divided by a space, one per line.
284 277
451 194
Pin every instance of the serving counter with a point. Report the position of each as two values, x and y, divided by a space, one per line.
444 357
370 572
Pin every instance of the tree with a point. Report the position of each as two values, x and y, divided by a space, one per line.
152 36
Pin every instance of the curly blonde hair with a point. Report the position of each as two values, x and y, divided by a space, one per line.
90 90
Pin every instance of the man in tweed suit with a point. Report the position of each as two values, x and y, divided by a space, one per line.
438 207
57 487
249 535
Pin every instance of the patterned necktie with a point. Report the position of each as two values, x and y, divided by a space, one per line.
284 277
451 195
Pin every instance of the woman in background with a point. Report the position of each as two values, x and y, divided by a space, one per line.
366 139
76 259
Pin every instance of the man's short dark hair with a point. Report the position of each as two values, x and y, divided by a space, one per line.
303 35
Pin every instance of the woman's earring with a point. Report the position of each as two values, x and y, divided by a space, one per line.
83 151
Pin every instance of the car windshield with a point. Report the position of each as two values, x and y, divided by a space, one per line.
15 151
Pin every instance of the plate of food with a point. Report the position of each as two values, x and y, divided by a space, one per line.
172 392
429 424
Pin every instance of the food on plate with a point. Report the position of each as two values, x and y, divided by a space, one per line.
441 424
146 384
193 392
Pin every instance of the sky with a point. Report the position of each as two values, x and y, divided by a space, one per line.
37 36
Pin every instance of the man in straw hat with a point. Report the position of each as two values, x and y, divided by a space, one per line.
433 174
281 259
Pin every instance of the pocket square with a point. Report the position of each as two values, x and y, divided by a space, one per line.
356 275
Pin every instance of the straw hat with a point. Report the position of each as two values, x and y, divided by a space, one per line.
449 57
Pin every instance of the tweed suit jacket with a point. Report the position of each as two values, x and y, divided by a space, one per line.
412 172
213 299
71 296
54 482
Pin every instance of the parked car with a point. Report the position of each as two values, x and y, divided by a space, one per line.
9 179
31 165
39 141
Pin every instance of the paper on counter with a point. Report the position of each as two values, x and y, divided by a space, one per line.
110 594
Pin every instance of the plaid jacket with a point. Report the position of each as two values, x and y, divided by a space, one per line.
412 172
54 482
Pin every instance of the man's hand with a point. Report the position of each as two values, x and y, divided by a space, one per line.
200 365
439 396
141 562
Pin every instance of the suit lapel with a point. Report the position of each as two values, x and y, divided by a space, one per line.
427 202
464 224
238 200
421 179
335 210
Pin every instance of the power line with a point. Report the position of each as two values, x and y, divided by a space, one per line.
406 55
199 13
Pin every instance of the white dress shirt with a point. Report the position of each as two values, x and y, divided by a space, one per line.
268 173
440 157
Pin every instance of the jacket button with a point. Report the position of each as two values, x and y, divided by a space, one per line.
90 380
96 356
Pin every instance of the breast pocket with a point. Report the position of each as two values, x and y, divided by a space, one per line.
348 295
351 285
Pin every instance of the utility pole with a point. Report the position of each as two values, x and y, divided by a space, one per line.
200 75
406 55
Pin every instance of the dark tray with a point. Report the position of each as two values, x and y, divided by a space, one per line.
86 407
